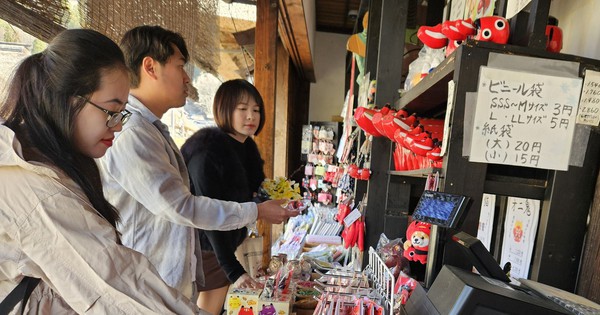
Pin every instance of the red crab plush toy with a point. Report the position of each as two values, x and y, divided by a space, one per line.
417 243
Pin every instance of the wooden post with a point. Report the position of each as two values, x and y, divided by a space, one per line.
528 28
588 284
282 113
265 81
384 51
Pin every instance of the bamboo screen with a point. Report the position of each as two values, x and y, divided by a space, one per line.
195 20
40 18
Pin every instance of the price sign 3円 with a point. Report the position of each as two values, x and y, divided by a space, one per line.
524 119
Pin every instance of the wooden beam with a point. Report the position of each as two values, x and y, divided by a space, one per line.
228 69
282 113
528 28
294 34
265 81
245 37
282 125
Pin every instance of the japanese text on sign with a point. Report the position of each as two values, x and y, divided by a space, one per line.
589 104
524 119
520 226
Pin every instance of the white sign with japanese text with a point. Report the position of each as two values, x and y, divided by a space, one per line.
589 105
524 119
520 227
486 220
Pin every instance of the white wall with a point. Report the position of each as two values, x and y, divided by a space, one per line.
580 23
327 94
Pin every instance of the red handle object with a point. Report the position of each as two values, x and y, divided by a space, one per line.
361 236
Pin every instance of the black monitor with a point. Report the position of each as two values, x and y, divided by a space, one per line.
441 209
457 291
479 256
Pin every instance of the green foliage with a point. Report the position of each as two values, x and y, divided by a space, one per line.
74 16
9 33
38 46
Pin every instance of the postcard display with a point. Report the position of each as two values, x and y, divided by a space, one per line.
361 292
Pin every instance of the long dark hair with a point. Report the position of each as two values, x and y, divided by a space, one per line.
228 96
40 106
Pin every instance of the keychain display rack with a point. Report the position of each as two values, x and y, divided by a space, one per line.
382 279
344 287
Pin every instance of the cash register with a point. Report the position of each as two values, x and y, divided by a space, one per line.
489 291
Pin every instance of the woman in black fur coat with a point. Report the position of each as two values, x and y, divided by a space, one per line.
224 163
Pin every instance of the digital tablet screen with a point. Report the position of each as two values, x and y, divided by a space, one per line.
439 208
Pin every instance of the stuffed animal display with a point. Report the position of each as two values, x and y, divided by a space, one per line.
417 241
451 34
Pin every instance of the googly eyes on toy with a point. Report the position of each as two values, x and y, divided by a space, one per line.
492 29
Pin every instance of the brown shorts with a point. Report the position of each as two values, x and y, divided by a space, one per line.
214 276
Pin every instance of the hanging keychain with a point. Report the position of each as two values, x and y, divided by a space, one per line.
363 162
349 145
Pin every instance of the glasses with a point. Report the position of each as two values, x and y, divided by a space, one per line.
114 118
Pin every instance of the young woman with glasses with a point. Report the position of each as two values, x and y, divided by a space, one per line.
61 111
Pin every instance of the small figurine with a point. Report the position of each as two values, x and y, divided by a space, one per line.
234 302
364 119
432 36
268 310
417 243
449 34
452 45
246 311
492 29
390 125
554 36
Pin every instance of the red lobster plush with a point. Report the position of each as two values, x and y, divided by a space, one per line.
417 241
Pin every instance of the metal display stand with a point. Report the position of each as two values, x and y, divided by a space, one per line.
383 280
344 287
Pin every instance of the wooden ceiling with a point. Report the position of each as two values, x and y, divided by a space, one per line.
333 16
337 16
237 58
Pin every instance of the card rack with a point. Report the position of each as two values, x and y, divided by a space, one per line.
375 282
382 280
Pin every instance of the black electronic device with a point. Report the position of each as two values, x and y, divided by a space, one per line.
479 256
442 209
460 292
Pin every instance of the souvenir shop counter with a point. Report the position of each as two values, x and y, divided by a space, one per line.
457 291
298 298
342 290
255 302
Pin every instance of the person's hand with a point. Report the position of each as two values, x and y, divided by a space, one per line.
245 281
273 212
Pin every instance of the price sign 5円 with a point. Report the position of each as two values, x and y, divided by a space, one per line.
524 119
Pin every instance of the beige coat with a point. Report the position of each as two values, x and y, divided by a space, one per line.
49 230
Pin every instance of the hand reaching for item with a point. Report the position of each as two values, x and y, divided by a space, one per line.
245 281
273 212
